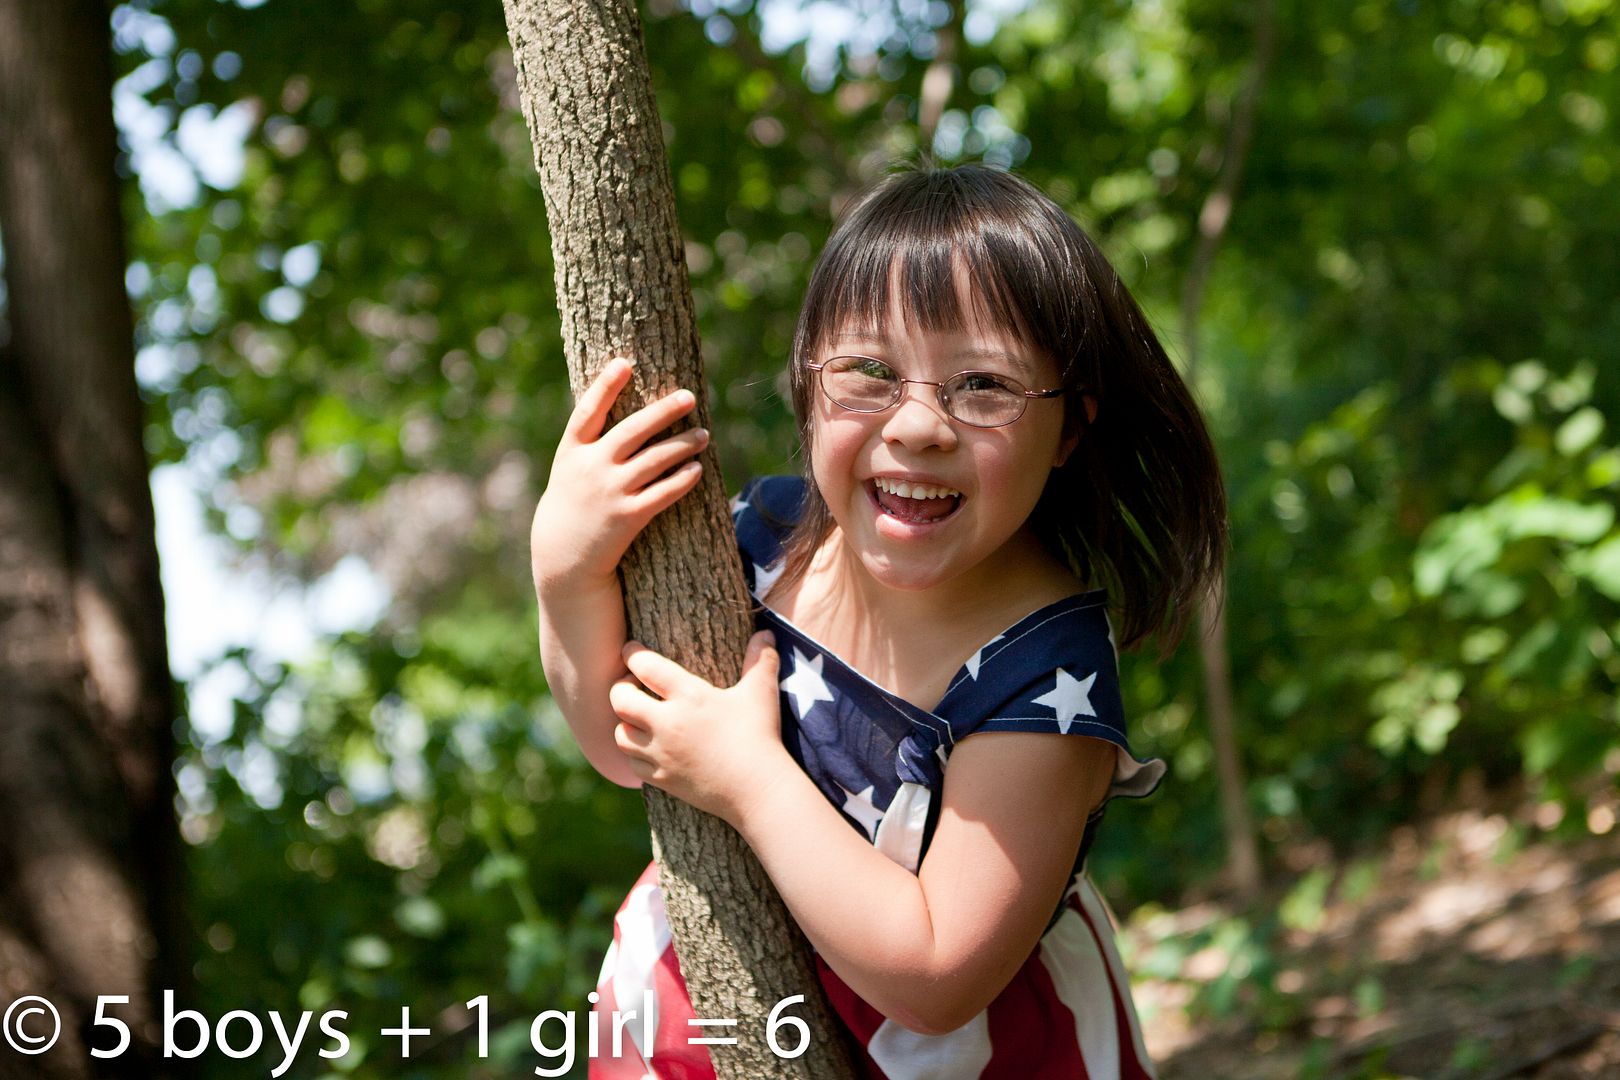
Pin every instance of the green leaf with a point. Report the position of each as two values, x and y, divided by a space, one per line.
1561 519
369 951
1601 566
1580 431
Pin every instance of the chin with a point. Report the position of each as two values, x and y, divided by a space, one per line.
904 578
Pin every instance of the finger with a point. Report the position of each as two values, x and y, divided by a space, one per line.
661 494
761 660
631 703
660 457
656 671
643 768
631 433
590 413
632 741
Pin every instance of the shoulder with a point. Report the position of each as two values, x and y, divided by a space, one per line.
1051 670
1011 783
764 513
773 501
1056 673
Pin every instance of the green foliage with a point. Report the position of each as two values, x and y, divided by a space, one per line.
1408 354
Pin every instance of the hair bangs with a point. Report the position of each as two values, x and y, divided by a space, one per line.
958 265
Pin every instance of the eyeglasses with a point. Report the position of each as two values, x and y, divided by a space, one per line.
981 399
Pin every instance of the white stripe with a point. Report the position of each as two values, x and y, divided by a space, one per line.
900 833
643 936
903 1054
1080 975
1103 917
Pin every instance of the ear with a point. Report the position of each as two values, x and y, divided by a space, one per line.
1073 428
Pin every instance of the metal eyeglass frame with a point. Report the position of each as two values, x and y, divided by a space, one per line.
937 384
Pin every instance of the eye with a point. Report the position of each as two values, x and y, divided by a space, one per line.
863 366
982 382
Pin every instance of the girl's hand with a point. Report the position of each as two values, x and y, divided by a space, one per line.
605 487
704 745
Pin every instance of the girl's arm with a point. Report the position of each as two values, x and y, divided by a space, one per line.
929 950
581 632
604 488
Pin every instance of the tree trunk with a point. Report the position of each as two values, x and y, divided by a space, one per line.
89 853
1242 845
622 288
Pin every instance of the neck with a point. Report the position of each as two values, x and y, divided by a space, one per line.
1001 588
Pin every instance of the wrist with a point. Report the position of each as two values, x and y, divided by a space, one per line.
561 588
773 783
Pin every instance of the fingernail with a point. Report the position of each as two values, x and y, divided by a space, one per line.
686 397
702 435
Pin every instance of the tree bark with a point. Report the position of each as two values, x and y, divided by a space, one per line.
622 288
1242 845
89 853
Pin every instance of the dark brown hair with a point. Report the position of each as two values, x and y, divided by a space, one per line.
1139 507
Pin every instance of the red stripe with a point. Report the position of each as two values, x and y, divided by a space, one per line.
1032 1033
605 1066
1130 1066
859 1017
673 1057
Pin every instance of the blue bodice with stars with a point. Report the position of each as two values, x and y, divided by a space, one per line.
878 757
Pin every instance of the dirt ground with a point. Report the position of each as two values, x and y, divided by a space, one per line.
1473 947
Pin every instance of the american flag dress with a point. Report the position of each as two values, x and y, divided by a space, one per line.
1067 1014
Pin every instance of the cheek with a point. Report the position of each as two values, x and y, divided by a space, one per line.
835 443
1015 472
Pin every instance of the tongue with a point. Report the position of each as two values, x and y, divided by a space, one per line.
916 510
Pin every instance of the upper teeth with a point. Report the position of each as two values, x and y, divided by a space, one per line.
913 491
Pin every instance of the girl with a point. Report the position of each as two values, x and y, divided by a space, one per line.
997 450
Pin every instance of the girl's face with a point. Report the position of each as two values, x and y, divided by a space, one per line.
993 477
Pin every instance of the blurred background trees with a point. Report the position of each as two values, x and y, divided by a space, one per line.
348 342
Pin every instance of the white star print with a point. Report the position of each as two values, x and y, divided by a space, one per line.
805 685
859 806
974 660
738 505
1071 698
765 576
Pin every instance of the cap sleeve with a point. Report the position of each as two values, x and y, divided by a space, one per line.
1055 671
764 513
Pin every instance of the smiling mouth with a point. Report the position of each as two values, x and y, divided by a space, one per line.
914 504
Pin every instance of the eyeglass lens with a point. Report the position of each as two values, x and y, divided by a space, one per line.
980 398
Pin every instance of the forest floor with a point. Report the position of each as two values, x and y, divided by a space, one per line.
1474 947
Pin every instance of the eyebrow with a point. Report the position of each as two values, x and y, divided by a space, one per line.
1017 360
970 354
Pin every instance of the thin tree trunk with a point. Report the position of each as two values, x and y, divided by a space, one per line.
89 854
1242 846
622 287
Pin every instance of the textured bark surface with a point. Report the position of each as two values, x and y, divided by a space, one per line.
622 288
89 854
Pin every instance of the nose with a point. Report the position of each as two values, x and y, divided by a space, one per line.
918 422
